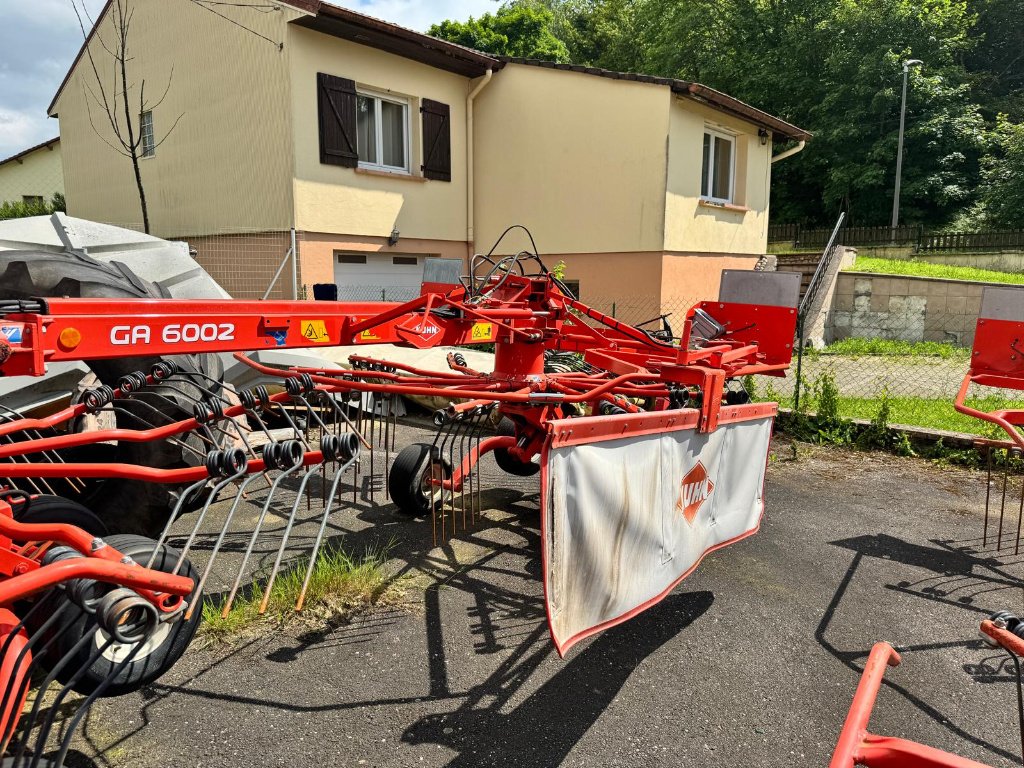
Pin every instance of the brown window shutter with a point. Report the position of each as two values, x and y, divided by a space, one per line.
336 102
437 140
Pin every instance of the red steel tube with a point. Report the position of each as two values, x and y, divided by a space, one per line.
145 581
993 418
1004 638
855 728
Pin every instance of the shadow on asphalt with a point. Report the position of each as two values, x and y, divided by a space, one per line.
542 730
963 576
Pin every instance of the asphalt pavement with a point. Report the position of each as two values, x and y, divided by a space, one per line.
753 660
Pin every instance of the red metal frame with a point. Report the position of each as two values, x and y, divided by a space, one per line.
997 360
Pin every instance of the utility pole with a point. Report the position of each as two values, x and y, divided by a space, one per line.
899 150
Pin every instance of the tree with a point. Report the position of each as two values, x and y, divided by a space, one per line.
1002 200
114 101
520 29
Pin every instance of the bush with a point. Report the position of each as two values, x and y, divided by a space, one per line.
16 209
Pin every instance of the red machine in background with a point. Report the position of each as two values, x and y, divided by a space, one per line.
649 452
997 360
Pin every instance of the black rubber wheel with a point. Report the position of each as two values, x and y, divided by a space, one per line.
505 460
57 509
409 479
157 654
129 506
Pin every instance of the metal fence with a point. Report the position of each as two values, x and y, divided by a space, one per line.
915 237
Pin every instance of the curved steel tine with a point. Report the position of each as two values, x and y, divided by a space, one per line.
286 534
175 513
335 482
83 707
202 515
51 676
36 638
217 544
255 535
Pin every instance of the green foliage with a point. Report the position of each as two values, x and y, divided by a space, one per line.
894 348
521 29
559 270
926 269
835 68
16 209
1002 198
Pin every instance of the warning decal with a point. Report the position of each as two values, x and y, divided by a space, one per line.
482 332
314 330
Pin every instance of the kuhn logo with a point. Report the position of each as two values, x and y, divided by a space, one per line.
694 491
428 330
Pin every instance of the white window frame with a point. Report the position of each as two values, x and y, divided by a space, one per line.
150 149
379 132
705 194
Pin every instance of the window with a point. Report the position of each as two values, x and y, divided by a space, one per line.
32 199
716 176
351 258
382 132
146 131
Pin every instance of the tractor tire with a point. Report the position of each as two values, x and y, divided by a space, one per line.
156 655
409 480
57 509
127 506
505 460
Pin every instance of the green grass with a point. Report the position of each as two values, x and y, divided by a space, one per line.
914 268
341 585
892 348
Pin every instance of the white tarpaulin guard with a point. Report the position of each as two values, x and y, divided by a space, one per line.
624 519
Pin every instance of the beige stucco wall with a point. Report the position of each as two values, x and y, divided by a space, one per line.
691 277
691 227
226 166
578 159
332 199
37 173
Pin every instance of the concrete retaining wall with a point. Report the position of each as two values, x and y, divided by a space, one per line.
870 306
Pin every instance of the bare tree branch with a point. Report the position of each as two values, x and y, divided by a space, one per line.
169 132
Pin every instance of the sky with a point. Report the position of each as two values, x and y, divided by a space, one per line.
39 40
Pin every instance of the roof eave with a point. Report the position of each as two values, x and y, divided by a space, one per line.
376 33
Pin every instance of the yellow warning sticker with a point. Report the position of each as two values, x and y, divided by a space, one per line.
314 330
368 336
482 332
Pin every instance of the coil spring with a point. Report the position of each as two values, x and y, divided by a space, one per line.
231 461
126 616
207 410
284 454
255 399
163 370
131 382
460 359
343 447
85 593
299 385
97 397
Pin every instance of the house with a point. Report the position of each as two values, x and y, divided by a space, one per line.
33 175
381 146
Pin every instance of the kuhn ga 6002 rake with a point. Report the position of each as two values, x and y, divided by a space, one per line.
649 451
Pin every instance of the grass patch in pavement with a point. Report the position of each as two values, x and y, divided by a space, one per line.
912 268
341 585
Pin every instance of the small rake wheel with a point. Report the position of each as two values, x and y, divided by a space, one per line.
158 650
413 480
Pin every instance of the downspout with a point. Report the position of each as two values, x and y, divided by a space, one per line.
789 152
469 158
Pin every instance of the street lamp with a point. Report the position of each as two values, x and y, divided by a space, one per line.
899 150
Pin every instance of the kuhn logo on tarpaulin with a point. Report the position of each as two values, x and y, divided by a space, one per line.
694 491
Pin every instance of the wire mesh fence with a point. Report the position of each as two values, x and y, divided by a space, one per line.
244 264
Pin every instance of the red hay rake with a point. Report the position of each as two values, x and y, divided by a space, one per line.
997 360
650 453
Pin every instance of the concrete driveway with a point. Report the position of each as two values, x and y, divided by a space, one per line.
752 661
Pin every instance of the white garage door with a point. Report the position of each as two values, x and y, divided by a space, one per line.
377 276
